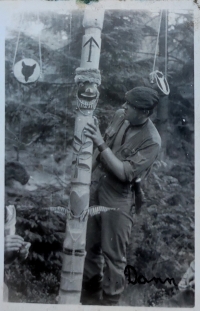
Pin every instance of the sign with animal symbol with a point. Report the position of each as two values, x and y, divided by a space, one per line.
27 70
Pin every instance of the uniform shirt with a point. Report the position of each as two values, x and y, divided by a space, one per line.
138 150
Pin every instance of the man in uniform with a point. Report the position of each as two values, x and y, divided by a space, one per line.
130 147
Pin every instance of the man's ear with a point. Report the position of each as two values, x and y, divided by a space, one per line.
146 112
150 112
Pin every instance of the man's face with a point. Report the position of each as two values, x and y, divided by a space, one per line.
132 114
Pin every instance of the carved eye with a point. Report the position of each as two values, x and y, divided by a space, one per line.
81 84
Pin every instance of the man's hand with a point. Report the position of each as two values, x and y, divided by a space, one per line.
110 160
13 243
92 131
191 281
188 279
14 247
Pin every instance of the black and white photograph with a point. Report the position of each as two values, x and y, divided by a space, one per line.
99 154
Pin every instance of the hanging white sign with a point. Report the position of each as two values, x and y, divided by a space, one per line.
27 70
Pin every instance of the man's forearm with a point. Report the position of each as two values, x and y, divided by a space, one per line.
114 164
94 164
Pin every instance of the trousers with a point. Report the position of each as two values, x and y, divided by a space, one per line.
108 235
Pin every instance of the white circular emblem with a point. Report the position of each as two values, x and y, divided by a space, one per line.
27 70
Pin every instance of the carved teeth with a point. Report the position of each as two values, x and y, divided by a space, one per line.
85 104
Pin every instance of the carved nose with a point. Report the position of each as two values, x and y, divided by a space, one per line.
89 90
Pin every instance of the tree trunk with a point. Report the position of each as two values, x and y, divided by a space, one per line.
162 111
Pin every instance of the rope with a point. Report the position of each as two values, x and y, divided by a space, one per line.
166 26
17 44
154 62
65 146
40 54
20 26
70 30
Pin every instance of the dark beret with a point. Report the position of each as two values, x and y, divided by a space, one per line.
142 97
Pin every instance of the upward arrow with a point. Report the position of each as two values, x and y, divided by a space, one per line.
90 47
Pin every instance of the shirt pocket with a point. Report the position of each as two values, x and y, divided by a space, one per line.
125 153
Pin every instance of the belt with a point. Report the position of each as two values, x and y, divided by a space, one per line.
135 187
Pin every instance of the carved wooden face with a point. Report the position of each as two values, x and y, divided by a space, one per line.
87 91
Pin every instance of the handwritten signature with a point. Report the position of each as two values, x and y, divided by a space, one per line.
133 277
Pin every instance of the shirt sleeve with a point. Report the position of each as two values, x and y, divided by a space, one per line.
140 161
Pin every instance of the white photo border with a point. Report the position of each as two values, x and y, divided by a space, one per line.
6 7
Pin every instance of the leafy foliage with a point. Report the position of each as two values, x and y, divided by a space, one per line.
40 273
163 235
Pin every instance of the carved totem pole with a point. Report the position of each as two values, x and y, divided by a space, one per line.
88 78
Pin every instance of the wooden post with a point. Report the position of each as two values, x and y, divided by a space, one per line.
87 78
